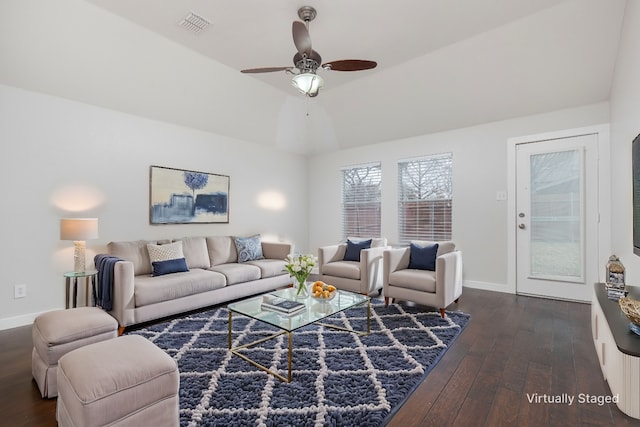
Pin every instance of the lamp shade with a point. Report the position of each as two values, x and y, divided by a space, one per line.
78 228
307 83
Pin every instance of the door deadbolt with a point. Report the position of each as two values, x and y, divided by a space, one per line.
521 214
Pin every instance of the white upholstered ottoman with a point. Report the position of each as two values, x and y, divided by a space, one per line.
126 381
58 332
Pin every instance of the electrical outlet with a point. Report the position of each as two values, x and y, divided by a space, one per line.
19 291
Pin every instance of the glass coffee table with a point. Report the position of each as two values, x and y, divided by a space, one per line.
313 313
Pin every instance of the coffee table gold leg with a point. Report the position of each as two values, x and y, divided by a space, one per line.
368 317
290 354
230 328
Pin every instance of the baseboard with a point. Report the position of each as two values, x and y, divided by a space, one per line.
22 320
487 286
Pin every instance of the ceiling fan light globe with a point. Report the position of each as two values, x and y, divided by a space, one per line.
307 83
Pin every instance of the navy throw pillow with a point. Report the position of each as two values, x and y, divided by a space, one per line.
161 268
354 248
423 257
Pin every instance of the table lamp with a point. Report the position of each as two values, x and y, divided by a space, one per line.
78 230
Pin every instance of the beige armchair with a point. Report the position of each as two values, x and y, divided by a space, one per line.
438 288
363 276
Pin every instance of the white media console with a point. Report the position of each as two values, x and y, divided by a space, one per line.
618 349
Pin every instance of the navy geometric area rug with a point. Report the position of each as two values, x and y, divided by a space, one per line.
338 378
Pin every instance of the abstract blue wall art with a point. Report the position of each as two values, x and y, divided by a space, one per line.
178 196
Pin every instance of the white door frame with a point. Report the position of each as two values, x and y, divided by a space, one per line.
604 194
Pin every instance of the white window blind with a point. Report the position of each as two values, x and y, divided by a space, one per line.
425 198
361 189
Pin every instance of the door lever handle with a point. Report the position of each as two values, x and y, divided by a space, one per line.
521 226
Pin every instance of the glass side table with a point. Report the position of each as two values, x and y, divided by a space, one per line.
71 279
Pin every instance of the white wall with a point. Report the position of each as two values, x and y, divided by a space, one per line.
479 171
62 158
625 126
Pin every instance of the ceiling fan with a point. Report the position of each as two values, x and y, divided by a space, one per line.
307 61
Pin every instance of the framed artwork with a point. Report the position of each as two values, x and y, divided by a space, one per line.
178 196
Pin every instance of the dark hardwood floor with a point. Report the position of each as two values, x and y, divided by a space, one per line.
513 345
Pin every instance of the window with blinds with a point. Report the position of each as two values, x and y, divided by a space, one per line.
361 189
425 198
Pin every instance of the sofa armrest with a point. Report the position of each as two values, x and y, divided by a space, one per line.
396 259
332 253
449 276
276 250
371 268
122 295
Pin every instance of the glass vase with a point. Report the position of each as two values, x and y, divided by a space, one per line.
302 290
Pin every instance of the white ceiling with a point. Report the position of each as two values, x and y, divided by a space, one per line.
257 33
441 64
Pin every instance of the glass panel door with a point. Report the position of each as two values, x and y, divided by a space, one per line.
556 217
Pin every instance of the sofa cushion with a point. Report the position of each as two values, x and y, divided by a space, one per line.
419 280
160 268
195 252
249 248
136 252
353 249
269 267
222 250
150 290
347 269
423 257
238 273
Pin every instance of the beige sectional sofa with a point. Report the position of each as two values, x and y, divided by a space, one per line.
214 276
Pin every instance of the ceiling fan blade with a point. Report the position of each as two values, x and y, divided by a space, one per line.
301 37
350 65
264 70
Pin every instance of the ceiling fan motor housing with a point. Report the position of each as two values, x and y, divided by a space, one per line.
305 64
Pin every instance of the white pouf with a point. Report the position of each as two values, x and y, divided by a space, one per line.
126 381
58 332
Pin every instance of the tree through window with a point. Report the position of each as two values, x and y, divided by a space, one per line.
425 198
361 191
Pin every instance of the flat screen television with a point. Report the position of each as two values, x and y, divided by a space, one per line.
635 165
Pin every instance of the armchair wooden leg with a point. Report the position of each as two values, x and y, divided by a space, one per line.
442 312
386 301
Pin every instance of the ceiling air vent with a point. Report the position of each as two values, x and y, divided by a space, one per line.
194 23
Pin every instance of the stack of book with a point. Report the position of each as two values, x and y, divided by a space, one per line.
615 291
281 305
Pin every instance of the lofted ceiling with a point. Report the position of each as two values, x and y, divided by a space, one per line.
441 64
